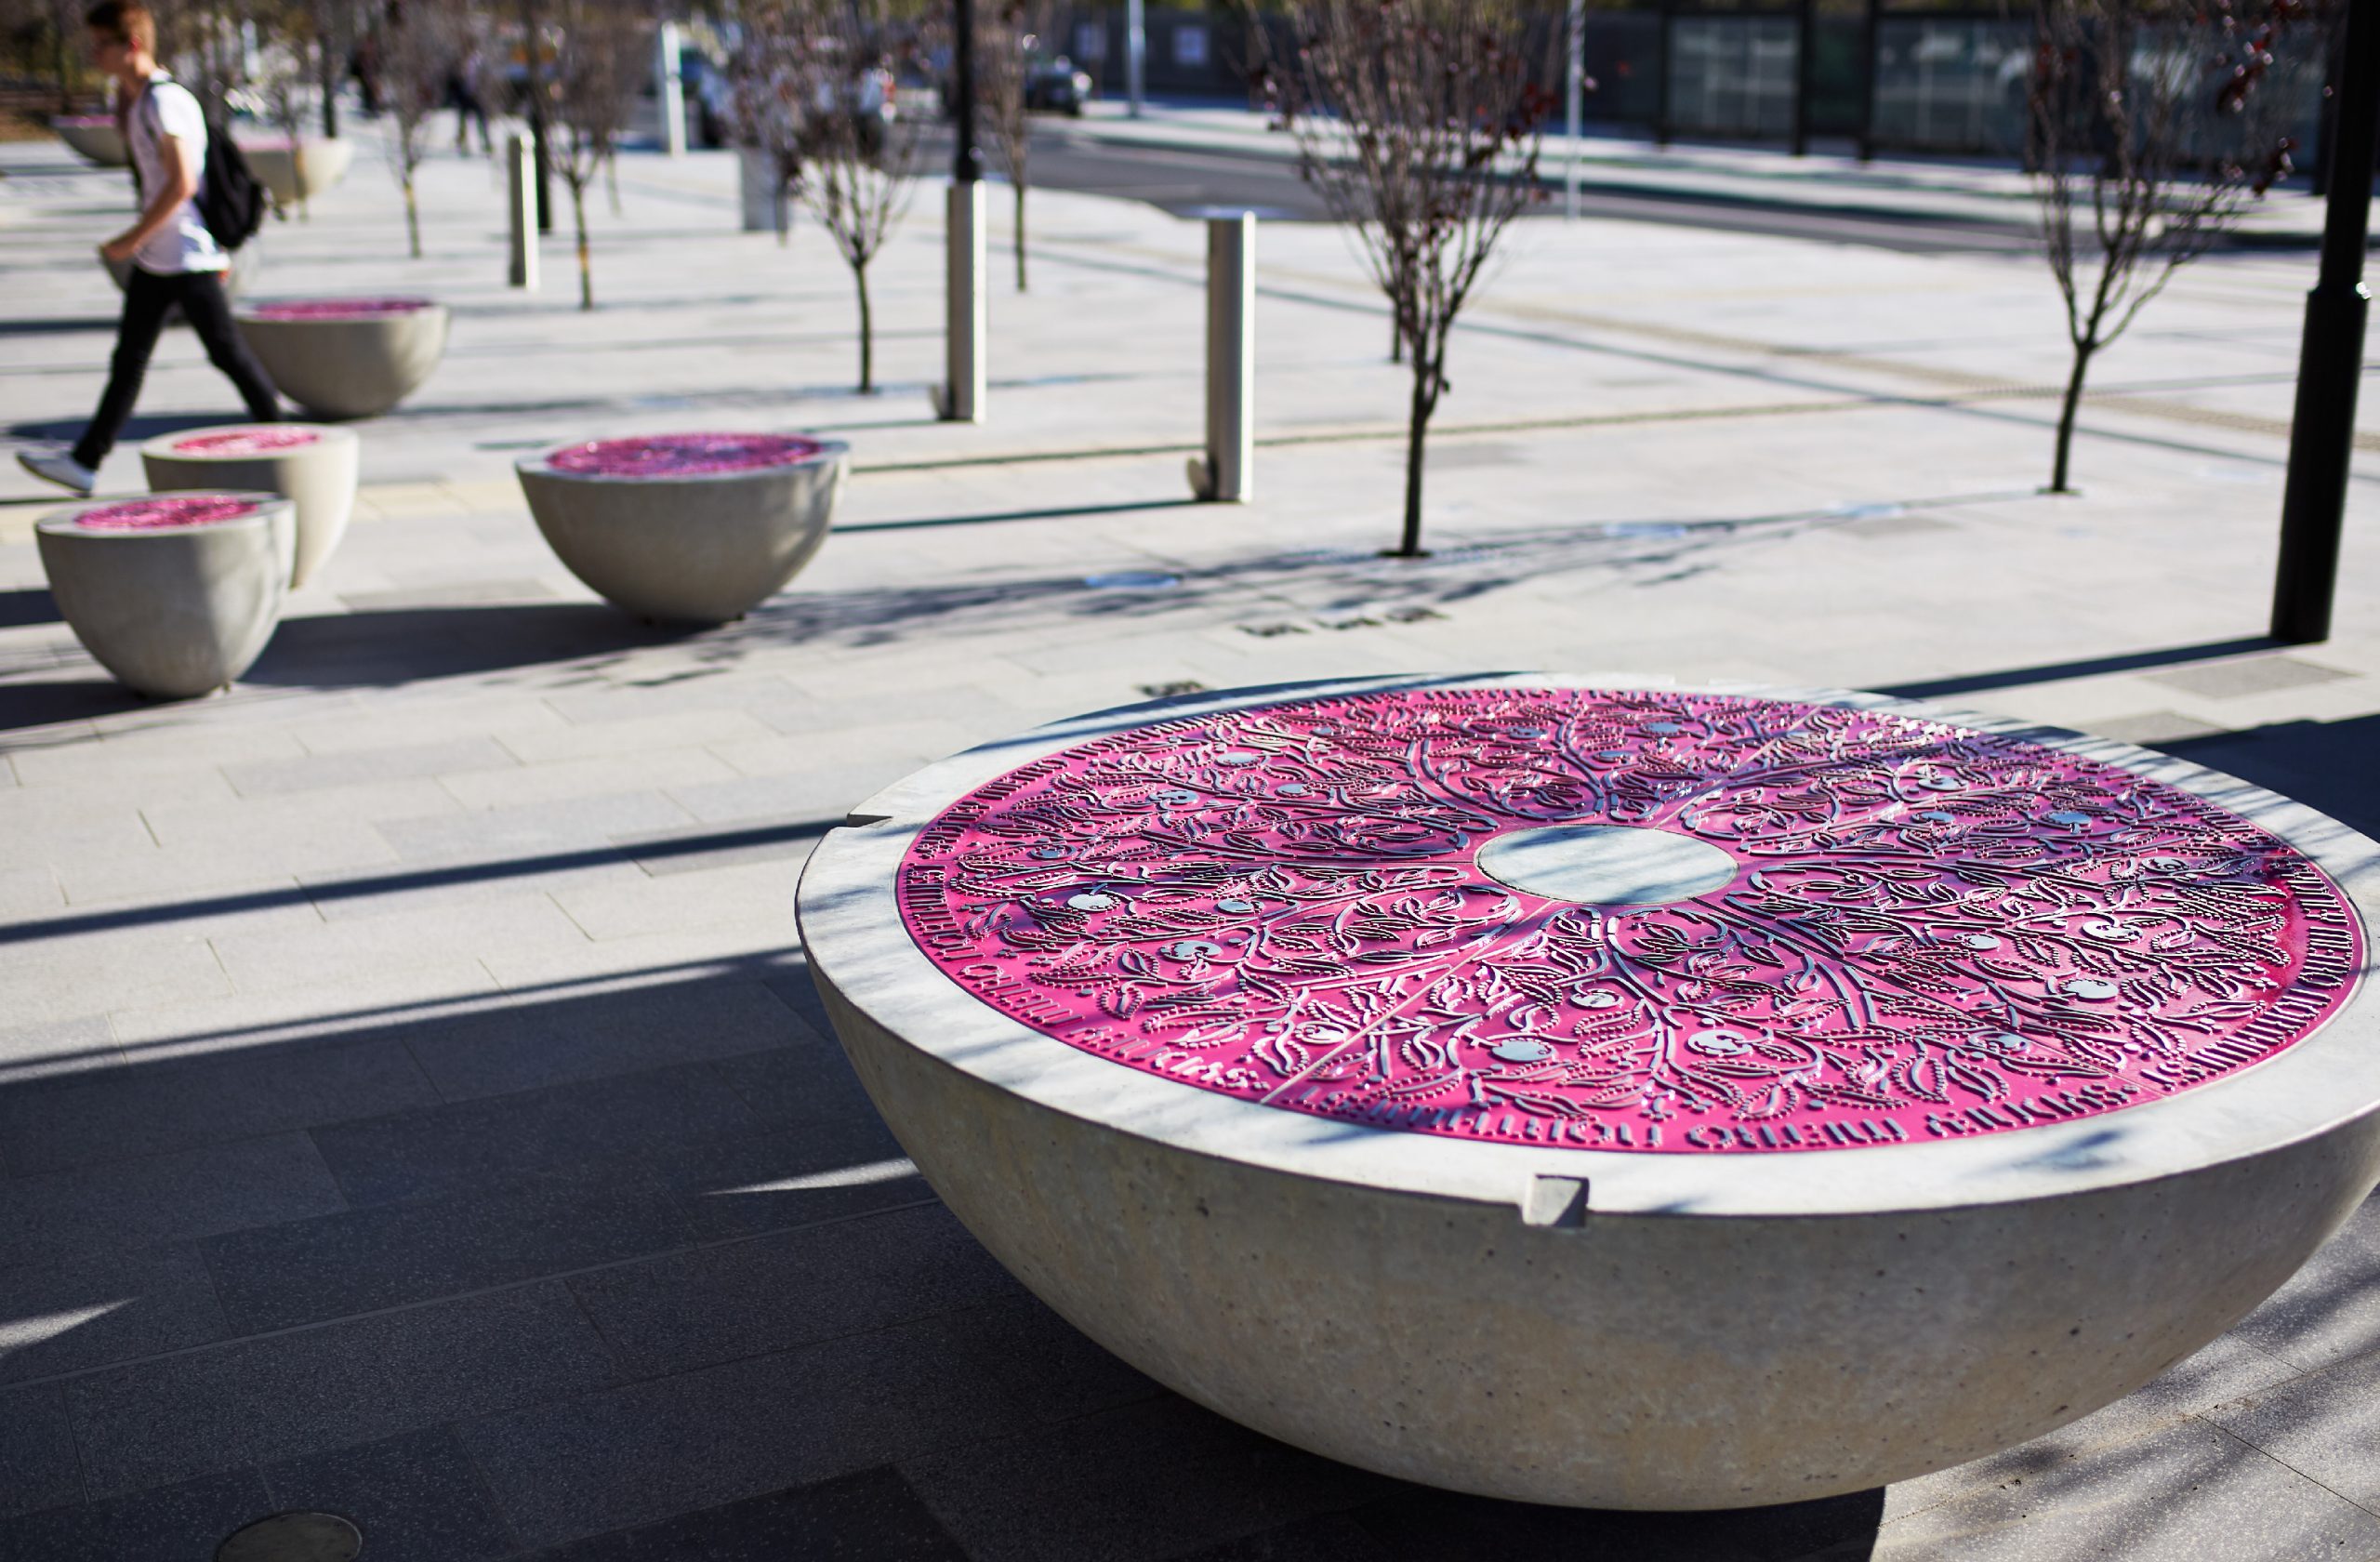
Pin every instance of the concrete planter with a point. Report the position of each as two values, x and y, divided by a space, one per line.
1265 1037
310 465
686 528
295 172
174 594
346 357
95 138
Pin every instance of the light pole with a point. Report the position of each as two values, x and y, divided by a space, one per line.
1136 52
2330 361
1574 86
960 399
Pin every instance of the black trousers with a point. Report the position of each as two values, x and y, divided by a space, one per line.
148 299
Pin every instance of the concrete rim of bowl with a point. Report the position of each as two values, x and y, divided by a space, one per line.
258 509
851 926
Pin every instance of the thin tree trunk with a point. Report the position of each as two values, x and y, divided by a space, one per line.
1020 235
413 217
1396 337
585 266
866 333
2072 404
1417 430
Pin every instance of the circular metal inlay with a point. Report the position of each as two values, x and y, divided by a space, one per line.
1605 865
294 1537
1924 932
682 455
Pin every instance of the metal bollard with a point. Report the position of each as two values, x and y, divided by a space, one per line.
1227 474
960 398
521 161
669 92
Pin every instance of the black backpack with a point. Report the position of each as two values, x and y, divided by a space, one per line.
230 199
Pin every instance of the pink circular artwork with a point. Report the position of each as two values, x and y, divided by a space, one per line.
1629 921
335 309
262 439
83 122
682 455
166 512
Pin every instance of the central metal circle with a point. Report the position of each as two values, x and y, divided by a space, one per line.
1606 864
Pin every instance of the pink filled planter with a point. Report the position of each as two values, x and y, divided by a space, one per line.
174 594
690 528
95 138
314 465
343 358
1614 1094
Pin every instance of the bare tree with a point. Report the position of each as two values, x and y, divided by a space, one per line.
829 65
1007 33
2153 124
419 42
1419 123
285 68
600 51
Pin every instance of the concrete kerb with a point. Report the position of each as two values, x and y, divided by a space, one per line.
1699 1337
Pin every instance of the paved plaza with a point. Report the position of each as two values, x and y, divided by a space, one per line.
412 1100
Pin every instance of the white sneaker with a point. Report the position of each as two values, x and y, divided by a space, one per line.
61 469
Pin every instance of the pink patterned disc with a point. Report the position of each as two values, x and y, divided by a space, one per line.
682 455
1629 921
336 309
83 121
166 512
262 439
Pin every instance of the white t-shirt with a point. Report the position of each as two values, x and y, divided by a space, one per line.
182 245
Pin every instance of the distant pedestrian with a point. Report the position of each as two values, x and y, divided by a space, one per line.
168 256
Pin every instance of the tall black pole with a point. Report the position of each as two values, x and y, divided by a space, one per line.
1805 42
2330 361
535 88
1868 44
1664 25
967 158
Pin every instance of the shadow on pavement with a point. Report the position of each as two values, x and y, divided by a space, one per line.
2326 765
1943 688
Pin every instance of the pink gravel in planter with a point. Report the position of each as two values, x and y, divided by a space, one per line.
83 121
159 514
684 454
336 309
260 440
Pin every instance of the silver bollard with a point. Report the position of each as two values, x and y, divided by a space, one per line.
669 91
521 162
960 398
1227 474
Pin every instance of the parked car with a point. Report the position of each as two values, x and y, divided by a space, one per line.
1054 86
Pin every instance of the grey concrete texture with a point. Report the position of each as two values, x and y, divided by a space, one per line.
697 549
100 144
319 479
349 368
1685 453
296 174
176 613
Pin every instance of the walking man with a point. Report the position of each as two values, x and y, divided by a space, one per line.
171 257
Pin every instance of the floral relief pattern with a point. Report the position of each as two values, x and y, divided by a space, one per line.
1932 931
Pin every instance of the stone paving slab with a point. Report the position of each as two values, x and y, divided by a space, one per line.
412 1098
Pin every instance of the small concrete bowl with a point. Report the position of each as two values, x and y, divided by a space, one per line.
174 594
686 528
1213 1021
95 136
294 171
346 357
312 465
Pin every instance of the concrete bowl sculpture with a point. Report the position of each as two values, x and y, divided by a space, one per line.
312 465
1619 1096
686 528
95 138
175 593
346 357
294 171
